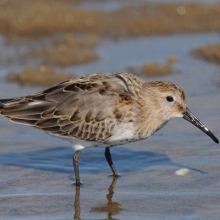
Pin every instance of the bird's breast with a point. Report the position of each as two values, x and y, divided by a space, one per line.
122 134
148 128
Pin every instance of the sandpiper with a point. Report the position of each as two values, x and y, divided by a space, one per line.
102 110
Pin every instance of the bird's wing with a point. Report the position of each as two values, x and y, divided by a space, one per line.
87 108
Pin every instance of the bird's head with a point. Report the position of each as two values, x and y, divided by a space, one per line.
168 100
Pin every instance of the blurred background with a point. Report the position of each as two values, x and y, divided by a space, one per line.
44 42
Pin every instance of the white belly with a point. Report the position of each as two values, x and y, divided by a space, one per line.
122 134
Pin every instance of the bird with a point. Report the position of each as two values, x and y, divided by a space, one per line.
102 110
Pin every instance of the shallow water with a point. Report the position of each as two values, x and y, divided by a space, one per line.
116 4
36 169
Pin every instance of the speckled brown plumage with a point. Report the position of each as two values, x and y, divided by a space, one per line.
87 108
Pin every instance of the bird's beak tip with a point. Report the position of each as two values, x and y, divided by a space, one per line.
188 115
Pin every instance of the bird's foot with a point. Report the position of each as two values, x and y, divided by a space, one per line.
78 183
116 175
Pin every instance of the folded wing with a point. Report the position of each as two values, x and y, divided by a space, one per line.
87 108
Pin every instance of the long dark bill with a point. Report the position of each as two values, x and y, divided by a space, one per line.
189 116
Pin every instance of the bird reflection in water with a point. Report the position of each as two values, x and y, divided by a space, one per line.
77 204
111 208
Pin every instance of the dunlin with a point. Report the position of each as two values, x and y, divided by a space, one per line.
102 110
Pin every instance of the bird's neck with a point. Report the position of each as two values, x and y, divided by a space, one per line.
152 119
148 127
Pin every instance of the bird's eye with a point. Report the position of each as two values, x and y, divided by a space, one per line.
169 98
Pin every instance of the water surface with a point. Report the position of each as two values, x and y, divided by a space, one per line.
36 169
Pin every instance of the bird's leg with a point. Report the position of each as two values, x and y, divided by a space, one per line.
109 159
76 169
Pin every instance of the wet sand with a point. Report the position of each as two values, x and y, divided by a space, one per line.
37 172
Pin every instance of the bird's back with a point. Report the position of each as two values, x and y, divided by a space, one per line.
87 108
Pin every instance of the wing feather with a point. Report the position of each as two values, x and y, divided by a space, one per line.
87 108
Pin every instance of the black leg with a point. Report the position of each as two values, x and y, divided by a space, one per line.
76 169
109 159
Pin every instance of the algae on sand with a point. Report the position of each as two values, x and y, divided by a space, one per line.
45 76
210 52
30 18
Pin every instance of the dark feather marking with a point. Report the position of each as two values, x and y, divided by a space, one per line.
183 96
84 135
60 133
102 91
63 122
67 128
25 110
80 86
99 117
38 98
86 127
52 88
21 121
74 117
30 117
110 128
89 117
73 131
79 134
48 113
95 128
51 129
71 88
11 101
83 86
125 98
91 86
59 96
99 137
44 123
95 77
117 113
92 137
122 79
7 100
107 135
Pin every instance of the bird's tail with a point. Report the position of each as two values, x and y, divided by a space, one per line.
25 110
32 108
4 102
